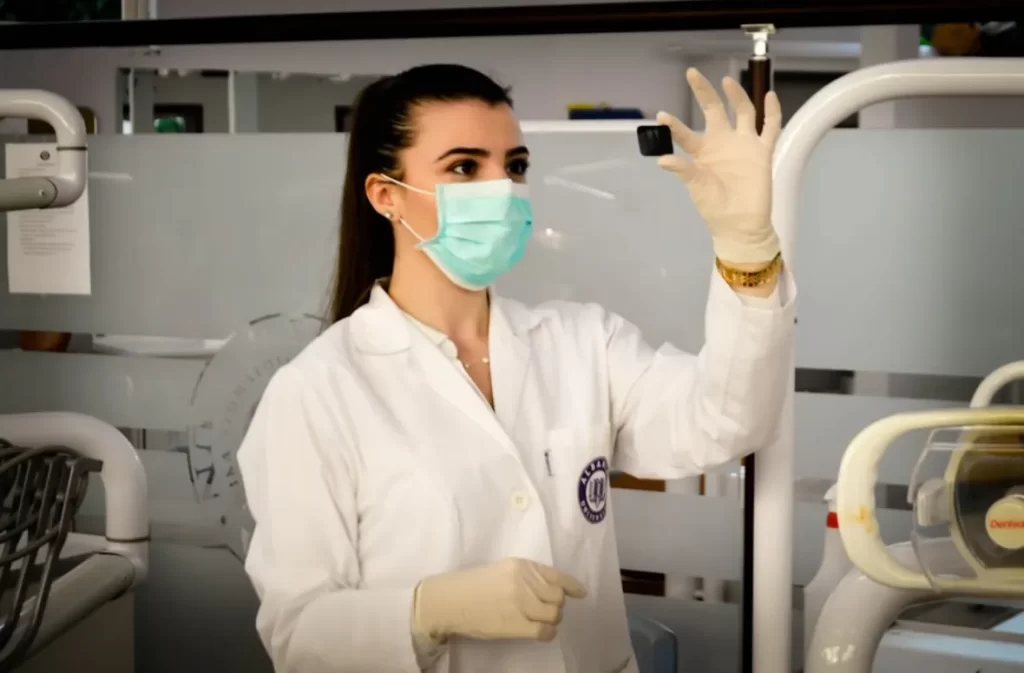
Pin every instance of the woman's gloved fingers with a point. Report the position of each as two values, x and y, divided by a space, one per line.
544 632
746 117
681 166
540 612
772 119
572 586
715 117
682 134
528 628
545 591
538 602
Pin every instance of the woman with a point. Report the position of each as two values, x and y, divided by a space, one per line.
429 478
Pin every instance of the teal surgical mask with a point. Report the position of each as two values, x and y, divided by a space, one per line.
482 230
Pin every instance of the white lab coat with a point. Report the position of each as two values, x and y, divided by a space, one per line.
372 462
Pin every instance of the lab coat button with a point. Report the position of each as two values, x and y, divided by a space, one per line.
520 500
450 351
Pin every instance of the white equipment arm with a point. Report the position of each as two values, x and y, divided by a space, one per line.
856 616
124 479
773 502
995 382
52 191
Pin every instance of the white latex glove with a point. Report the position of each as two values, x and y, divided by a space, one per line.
511 599
729 169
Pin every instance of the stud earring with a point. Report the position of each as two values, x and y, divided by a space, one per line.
389 215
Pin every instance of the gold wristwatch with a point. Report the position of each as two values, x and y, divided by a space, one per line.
738 278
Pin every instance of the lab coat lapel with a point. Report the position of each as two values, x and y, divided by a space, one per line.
510 360
381 328
442 374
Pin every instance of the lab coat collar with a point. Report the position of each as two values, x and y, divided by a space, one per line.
381 328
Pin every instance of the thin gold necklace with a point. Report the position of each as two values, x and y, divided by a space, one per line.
482 361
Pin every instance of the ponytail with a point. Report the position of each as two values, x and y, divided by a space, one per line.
366 243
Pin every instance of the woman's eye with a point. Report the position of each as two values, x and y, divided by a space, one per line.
518 167
465 168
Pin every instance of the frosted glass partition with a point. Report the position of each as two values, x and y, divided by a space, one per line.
826 424
911 241
908 264
910 246
193 236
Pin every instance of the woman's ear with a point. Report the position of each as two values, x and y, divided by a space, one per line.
381 195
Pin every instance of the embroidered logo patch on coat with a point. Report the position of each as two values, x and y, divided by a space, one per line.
592 490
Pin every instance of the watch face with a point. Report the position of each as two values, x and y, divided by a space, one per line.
224 402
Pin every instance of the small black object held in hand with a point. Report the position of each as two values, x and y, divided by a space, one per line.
654 141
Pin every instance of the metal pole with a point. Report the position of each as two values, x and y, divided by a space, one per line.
760 69
232 102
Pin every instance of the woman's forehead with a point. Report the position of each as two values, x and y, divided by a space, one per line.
439 127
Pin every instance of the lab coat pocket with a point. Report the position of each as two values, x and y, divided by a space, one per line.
579 463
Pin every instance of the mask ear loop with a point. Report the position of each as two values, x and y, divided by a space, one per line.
402 184
401 220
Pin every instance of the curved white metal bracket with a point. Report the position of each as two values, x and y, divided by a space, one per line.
124 479
773 513
52 191
996 381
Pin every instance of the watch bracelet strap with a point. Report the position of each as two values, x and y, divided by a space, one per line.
739 278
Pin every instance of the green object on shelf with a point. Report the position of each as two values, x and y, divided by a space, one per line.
169 125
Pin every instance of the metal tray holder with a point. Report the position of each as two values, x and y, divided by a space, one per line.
41 490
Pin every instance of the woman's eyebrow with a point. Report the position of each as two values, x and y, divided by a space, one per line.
481 153
471 151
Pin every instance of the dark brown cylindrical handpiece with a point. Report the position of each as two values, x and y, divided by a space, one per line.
760 85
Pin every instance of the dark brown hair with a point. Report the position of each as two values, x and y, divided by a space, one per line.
382 126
